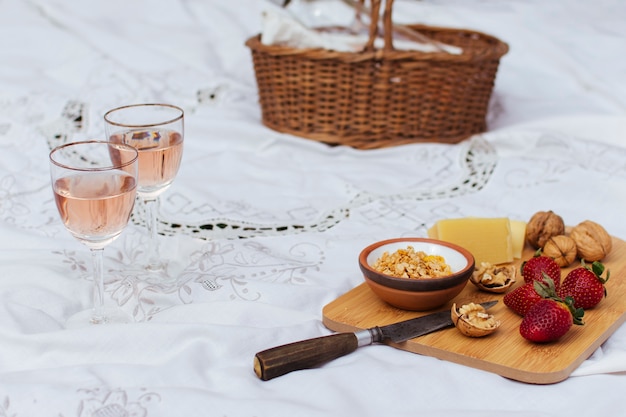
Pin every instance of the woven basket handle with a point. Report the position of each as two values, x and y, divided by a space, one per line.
388 26
374 17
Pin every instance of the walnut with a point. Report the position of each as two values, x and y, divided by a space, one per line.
542 226
562 249
473 320
593 243
493 278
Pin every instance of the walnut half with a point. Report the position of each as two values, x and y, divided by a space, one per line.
493 278
473 320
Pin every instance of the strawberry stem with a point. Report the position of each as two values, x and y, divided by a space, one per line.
577 313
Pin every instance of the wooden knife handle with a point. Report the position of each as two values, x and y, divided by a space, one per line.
305 354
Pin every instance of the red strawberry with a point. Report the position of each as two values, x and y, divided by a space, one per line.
585 285
549 319
533 269
521 299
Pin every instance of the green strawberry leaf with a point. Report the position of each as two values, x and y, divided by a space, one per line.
598 269
545 289
577 313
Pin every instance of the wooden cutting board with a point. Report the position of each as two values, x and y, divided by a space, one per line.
504 352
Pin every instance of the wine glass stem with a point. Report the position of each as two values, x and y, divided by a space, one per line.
98 286
154 262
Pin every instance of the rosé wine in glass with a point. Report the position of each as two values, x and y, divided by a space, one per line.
95 208
157 132
160 153
94 185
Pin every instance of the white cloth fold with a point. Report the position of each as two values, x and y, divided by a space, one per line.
262 229
279 28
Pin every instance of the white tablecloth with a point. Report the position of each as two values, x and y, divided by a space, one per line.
263 229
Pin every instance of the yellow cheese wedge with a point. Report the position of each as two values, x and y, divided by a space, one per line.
518 237
488 239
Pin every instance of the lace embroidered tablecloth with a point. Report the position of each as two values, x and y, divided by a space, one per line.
261 230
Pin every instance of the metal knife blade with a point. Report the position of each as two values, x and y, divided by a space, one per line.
310 353
408 329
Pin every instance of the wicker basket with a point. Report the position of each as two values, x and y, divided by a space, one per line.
379 97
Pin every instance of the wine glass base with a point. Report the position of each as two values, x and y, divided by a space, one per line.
87 318
163 272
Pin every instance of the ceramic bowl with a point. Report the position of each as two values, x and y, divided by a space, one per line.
417 294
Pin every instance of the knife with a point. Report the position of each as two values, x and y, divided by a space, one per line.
305 354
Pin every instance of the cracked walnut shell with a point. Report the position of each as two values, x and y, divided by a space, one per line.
593 243
473 320
542 226
494 278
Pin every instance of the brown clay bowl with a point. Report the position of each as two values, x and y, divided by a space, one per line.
417 294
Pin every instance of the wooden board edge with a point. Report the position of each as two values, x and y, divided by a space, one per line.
503 371
535 378
337 326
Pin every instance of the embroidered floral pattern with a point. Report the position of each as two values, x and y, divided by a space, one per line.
116 403
228 270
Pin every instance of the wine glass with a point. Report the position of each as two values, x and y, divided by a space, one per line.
95 184
157 131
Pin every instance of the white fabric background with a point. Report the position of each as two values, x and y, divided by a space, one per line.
556 141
